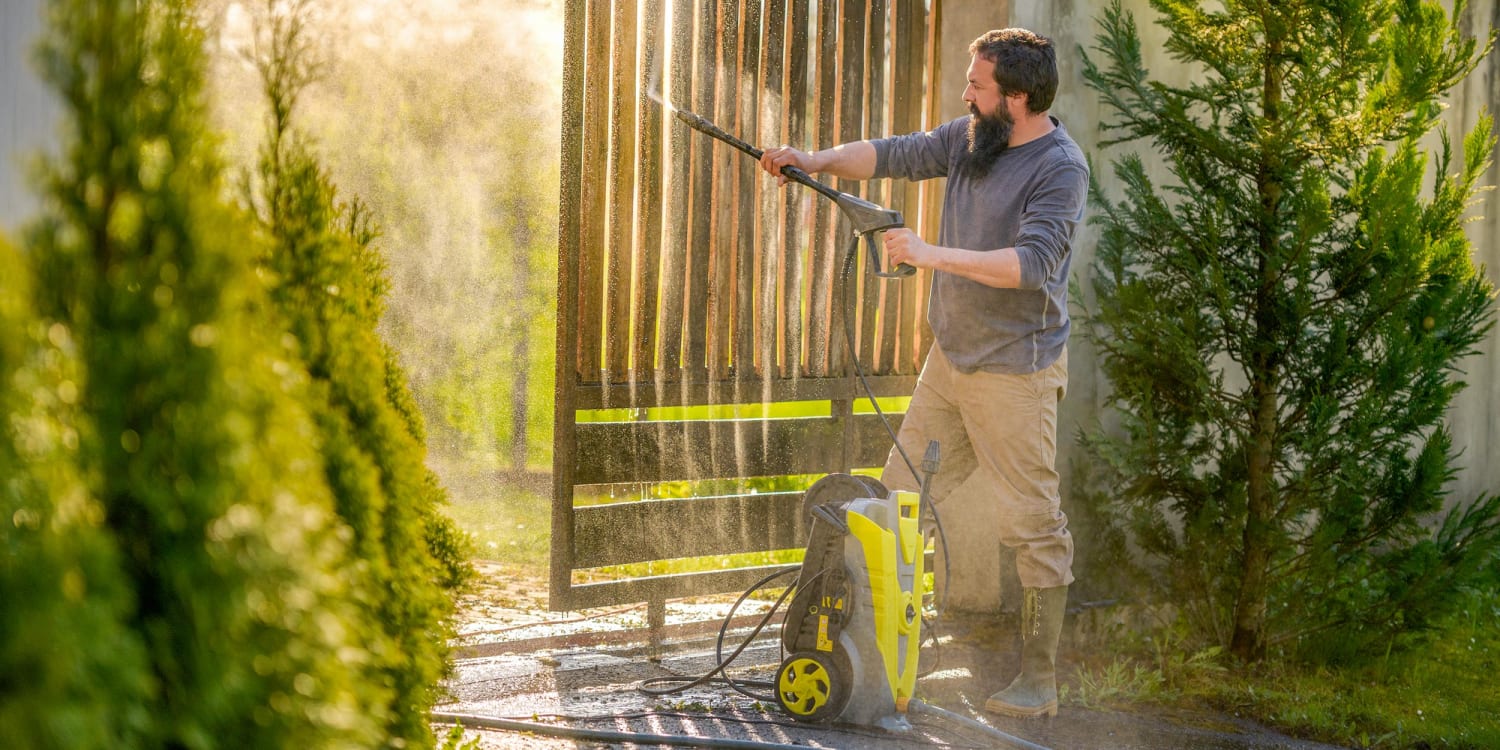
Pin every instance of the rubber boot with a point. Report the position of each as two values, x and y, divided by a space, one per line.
1034 691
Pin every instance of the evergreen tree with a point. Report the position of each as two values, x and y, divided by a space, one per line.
328 286
1282 323
190 436
72 674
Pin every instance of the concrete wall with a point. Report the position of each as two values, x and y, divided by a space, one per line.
1475 416
28 113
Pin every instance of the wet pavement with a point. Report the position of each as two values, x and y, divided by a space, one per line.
586 671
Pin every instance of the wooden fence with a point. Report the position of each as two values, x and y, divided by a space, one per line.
693 292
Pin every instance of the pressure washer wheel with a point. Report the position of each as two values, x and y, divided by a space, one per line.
813 685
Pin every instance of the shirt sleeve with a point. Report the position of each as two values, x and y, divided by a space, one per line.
921 155
1051 215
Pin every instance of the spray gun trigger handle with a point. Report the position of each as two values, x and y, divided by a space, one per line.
900 271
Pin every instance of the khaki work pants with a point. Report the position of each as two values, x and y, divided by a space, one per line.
997 482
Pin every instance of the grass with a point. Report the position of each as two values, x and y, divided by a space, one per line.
1442 696
1439 696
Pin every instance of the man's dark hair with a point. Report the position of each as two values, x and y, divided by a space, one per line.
1025 63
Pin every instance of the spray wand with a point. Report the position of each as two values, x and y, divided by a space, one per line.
866 217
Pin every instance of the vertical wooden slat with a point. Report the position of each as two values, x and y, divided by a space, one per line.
700 244
747 120
722 294
647 261
568 240
678 178
772 200
795 232
932 190
822 254
851 97
622 169
880 306
594 191
910 35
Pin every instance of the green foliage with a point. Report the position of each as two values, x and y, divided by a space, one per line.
194 511
327 288
67 604
455 740
1281 321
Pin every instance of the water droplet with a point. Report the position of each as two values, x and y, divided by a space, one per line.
203 335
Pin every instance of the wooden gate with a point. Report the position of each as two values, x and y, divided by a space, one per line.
703 376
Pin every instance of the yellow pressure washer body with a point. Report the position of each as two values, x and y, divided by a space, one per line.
853 628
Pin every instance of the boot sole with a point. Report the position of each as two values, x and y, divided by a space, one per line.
1021 712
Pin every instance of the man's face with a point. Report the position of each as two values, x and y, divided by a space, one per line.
982 94
989 130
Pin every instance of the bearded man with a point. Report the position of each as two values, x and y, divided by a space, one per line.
990 387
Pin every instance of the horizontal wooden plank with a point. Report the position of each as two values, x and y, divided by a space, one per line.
608 593
618 452
624 533
649 392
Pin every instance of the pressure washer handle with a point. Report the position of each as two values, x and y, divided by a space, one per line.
867 219
901 270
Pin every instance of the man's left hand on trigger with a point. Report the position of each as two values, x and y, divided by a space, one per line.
902 245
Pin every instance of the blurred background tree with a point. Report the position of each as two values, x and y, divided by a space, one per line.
443 119
1282 325
327 283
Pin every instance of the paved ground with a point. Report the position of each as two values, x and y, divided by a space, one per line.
585 670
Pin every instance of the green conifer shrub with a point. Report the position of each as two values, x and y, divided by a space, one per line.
191 438
1282 321
72 674
327 287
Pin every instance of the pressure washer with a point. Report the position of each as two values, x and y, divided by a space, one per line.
853 629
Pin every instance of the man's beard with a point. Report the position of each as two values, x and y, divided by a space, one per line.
988 137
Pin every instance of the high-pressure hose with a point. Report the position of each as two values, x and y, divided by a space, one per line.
918 707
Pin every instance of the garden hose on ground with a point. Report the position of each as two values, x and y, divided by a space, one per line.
602 735
640 738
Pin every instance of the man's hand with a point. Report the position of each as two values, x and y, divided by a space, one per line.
774 159
904 246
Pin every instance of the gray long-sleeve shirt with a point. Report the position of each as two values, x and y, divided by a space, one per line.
1032 200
